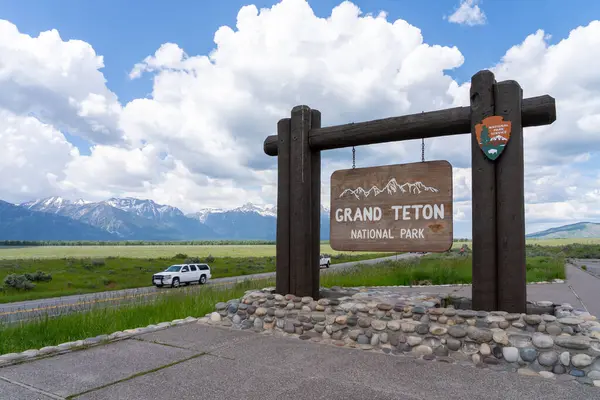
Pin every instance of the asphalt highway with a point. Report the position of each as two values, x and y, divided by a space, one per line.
25 310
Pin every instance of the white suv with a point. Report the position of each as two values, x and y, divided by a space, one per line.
324 260
177 274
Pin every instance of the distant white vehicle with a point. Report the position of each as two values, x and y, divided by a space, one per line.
324 261
179 274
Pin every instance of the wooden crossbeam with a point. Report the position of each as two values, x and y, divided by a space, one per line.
536 111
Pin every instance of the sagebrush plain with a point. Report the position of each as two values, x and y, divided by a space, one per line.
145 251
216 250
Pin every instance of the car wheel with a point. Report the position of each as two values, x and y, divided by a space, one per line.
327 266
175 282
202 280
159 286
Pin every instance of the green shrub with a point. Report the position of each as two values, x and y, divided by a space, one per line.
19 282
39 276
584 267
180 255
106 281
88 285
192 260
209 259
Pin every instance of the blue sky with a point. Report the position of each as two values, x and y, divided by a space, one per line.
148 150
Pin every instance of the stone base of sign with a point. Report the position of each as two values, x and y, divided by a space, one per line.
554 341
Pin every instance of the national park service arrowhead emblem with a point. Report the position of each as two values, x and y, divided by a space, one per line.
493 134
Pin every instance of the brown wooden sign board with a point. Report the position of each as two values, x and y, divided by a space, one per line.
402 207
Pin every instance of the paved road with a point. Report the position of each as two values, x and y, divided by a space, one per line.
246 365
586 285
23 310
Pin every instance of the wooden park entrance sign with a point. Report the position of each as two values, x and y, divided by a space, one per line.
405 207
498 210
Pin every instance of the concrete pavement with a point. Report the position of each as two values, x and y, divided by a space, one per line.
581 290
202 362
23 310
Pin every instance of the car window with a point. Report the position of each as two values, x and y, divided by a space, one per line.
193 267
173 268
203 267
185 269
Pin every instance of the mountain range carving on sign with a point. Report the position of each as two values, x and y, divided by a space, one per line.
392 187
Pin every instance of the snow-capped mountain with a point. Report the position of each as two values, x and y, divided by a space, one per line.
250 221
144 208
130 219
203 213
265 211
18 223
50 204
137 219
392 187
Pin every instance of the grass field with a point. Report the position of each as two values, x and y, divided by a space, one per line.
540 242
436 270
146 251
179 304
88 275
162 251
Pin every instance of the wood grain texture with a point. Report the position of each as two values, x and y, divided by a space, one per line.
301 280
425 184
536 111
510 204
282 260
315 219
483 176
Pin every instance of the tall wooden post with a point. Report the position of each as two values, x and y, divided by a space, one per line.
282 258
304 187
510 204
483 204
499 264
315 219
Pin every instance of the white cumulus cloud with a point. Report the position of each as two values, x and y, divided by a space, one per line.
59 82
468 13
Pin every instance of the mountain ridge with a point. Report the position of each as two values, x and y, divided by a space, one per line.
130 218
578 230
18 223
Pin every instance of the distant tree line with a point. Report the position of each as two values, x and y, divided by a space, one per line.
133 243
149 243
